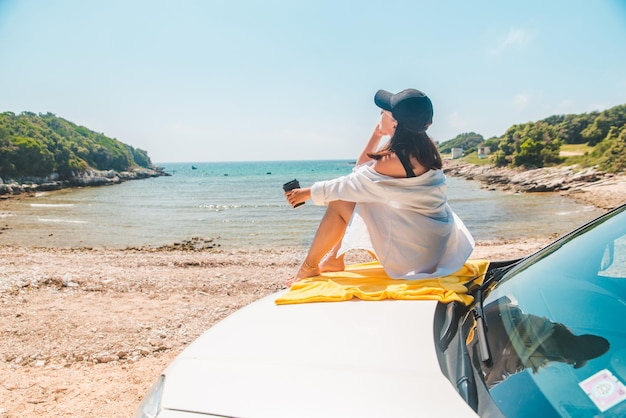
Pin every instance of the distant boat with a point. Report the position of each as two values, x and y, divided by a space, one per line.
193 167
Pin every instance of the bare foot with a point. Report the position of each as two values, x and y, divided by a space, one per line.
303 272
332 263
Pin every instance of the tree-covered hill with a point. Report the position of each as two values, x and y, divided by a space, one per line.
537 144
41 144
468 141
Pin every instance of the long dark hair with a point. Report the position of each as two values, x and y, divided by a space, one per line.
412 143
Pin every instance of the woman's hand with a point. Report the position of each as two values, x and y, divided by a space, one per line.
385 127
379 132
296 196
387 124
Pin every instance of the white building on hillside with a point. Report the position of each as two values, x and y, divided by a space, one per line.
457 153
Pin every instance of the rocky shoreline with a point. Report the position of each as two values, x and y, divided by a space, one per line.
89 178
588 185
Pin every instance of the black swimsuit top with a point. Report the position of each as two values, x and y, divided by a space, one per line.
406 163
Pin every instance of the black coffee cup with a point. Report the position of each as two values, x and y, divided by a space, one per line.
293 184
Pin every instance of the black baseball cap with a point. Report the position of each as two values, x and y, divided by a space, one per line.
411 108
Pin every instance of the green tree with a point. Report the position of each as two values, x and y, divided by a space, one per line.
528 154
31 157
469 141
7 150
602 124
529 145
611 152
140 157
569 127
499 158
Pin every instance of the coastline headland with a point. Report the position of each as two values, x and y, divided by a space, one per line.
87 178
588 185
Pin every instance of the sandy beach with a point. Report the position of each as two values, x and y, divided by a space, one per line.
85 332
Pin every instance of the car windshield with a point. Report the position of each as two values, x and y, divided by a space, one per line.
555 327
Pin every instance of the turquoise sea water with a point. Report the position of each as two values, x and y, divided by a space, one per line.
242 206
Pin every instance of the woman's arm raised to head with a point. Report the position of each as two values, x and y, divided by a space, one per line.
385 127
370 147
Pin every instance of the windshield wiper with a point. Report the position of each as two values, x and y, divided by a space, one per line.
481 330
497 269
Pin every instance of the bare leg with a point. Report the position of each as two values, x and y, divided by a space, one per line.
332 261
329 233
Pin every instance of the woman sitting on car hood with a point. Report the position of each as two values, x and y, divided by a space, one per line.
394 201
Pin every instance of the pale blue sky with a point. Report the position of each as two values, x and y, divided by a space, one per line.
228 80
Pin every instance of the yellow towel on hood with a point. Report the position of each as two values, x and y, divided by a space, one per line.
369 281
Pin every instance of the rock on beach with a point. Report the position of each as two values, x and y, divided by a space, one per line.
603 190
89 178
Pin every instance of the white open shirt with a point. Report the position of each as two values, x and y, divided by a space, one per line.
406 222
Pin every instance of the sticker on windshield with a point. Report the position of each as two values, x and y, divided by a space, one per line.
604 389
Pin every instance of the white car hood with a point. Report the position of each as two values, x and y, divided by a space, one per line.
318 359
